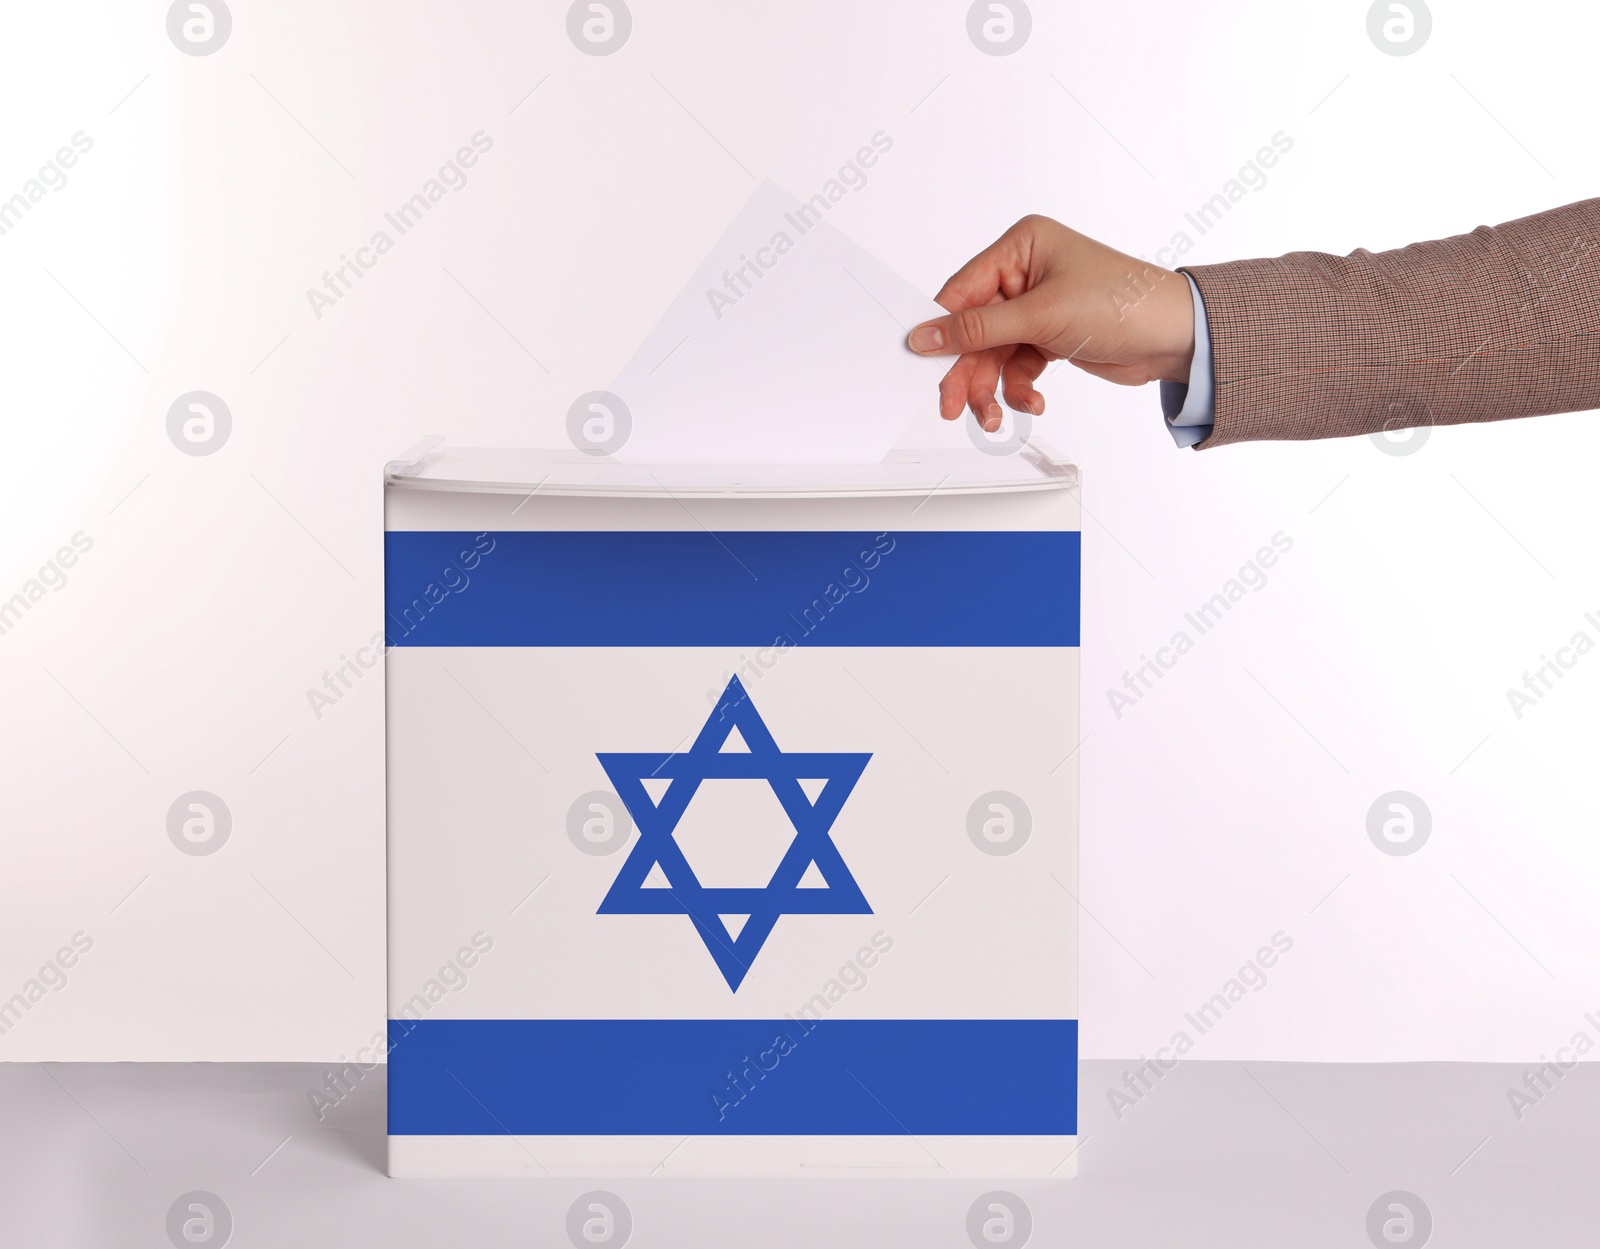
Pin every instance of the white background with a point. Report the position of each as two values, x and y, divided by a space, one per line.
1227 805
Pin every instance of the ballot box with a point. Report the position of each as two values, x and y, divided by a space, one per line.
732 816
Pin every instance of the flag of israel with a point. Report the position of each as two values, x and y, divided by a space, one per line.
732 827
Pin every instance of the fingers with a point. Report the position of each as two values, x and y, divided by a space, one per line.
972 380
953 388
1001 269
1021 371
979 328
981 388
991 313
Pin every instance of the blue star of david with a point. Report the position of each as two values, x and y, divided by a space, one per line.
705 760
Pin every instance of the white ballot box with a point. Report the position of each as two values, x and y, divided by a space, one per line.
732 816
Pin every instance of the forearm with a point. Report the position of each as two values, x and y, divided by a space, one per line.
1499 323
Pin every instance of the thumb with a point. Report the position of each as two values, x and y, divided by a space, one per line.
974 329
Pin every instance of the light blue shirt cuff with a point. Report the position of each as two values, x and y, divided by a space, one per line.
1191 409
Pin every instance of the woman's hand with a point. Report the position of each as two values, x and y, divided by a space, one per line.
1043 292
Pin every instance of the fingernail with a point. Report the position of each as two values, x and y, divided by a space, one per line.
926 338
1035 405
991 417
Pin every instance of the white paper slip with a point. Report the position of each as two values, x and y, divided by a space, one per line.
787 346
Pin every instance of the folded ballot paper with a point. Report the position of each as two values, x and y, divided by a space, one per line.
787 346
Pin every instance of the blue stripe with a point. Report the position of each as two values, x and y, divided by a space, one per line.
875 1077
746 588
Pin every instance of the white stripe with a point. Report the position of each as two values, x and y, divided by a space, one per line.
877 1157
490 747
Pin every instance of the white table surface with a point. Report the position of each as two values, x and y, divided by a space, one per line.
1217 1154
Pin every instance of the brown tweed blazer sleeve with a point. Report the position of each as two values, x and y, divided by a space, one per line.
1501 322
